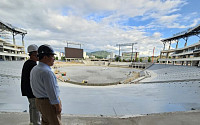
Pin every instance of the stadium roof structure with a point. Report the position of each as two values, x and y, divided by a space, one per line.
10 28
185 34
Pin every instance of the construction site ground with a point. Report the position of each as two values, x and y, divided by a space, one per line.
173 102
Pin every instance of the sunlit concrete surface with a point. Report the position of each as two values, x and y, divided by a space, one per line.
123 99
130 99
174 118
11 68
162 72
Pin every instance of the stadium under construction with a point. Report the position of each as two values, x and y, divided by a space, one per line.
9 50
188 55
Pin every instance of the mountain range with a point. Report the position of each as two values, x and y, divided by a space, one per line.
99 54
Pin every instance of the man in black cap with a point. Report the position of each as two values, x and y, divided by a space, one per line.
45 87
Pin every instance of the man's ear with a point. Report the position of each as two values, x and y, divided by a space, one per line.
45 57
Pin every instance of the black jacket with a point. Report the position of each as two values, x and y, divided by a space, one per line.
25 78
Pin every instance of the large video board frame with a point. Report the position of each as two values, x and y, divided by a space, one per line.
73 53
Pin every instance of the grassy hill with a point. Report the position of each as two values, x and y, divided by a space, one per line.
99 54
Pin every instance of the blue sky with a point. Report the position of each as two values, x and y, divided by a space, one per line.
101 24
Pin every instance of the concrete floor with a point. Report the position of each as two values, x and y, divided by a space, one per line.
175 118
114 100
111 100
130 99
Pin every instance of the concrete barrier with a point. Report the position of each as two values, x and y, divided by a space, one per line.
173 118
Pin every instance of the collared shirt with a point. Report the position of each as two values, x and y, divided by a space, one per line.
44 83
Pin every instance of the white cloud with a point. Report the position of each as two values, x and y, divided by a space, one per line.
98 24
157 34
111 48
169 19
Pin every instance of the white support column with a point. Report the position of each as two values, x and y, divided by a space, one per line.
23 43
13 38
185 44
186 39
186 63
182 62
169 45
177 44
4 58
164 45
10 58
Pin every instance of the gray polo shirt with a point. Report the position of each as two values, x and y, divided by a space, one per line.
44 83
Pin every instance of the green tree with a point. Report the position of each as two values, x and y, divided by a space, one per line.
149 59
117 58
99 57
56 58
141 60
137 59
63 58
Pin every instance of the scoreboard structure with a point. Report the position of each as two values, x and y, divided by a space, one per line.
73 53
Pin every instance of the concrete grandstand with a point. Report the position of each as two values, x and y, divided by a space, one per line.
159 73
8 49
188 55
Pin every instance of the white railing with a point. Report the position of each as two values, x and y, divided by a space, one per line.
184 53
182 59
12 54
10 48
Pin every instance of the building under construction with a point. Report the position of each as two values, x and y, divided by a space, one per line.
8 49
188 55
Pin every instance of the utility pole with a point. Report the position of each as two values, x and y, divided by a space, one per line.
119 53
153 54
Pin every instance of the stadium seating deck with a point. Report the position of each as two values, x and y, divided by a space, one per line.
162 72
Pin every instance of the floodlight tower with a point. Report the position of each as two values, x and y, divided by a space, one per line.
68 43
127 44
